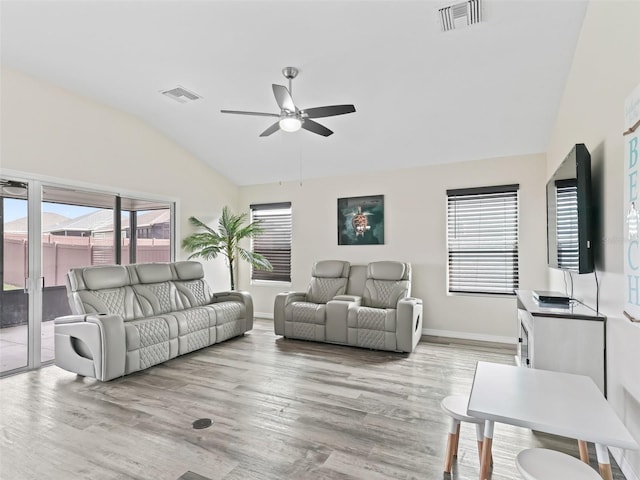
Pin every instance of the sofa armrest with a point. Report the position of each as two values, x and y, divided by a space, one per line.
69 319
91 345
408 323
337 315
280 303
348 298
237 296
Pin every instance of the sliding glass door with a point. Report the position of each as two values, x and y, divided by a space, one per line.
14 261
48 230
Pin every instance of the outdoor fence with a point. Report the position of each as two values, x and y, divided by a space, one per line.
60 253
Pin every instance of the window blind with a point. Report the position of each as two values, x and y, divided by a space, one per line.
275 240
482 239
567 224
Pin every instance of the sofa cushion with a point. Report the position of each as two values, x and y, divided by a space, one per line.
196 328
372 328
383 319
98 278
189 270
150 338
387 282
389 270
230 319
330 269
194 293
384 293
357 279
153 272
115 301
306 312
321 290
158 298
306 320
328 279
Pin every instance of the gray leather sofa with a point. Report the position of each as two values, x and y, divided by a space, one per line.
128 318
364 306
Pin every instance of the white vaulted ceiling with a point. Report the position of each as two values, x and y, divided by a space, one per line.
422 96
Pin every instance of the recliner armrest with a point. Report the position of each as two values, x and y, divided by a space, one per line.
279 305
237 296
91 345
348 298
410 300
337 317
69 319
408 323
230 296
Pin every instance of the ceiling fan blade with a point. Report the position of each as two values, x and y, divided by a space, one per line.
283 97
273 128
315 127
329 111
258 114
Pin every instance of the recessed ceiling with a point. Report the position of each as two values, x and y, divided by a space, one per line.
423 96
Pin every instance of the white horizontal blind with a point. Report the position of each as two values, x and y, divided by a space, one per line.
567 225
482 239
275 241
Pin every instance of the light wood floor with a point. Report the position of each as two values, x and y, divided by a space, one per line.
281 409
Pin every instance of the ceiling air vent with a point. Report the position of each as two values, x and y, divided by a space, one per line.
181 94
460 14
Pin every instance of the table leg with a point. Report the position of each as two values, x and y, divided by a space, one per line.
584 451
452 444
603 462
485 465
455 450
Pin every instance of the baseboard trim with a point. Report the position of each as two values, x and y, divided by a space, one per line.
623 463
479 337
469 336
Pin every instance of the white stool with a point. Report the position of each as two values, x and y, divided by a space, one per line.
543 464
456 407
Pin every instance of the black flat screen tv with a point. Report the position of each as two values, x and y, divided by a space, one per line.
569 222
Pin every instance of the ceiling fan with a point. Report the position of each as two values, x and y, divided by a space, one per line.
291 118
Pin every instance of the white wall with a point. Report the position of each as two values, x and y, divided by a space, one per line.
48 131
415 231
606 67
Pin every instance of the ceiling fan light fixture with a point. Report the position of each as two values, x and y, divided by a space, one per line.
291 118
290 124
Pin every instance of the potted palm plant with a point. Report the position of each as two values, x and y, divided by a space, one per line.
226 241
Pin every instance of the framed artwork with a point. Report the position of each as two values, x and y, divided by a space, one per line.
361 220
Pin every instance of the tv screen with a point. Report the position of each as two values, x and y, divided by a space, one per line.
569 242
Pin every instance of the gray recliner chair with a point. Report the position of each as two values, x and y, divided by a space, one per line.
303 315
365 306
388 318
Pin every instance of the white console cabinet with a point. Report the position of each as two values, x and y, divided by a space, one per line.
565 339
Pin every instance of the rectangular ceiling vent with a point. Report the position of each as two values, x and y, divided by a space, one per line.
460 14
181 94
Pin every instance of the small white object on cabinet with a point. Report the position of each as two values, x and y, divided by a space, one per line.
563 339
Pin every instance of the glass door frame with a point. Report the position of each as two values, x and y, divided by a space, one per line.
33 282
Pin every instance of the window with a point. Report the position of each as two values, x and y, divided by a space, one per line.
275 241
482 239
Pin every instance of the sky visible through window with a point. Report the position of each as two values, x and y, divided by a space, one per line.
17 208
